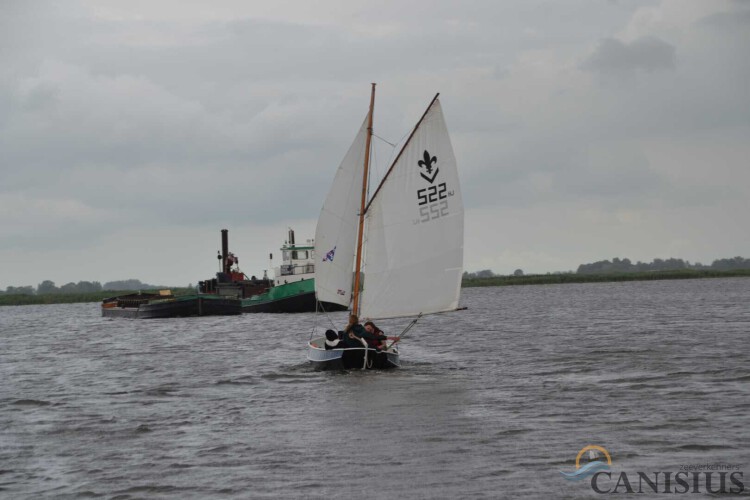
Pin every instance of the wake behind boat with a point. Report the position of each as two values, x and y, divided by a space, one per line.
411 251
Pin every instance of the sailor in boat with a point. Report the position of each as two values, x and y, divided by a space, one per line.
355 333
380 337
333 341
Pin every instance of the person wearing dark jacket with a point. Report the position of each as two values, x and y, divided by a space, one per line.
379 341
354 332
333 341
378 337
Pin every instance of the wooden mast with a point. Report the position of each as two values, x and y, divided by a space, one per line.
358 261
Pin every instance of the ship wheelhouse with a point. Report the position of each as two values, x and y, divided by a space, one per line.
297 261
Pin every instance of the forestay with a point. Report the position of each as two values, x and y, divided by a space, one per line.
336 232
415 225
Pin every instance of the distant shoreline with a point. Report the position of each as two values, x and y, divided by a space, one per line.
75 298
531 279
550 279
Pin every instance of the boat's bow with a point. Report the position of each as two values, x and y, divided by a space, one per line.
350 358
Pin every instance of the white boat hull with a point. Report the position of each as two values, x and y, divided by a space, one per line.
351 358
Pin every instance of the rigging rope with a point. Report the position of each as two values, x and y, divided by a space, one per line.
406 330
387 142
319 307
328 317
315 320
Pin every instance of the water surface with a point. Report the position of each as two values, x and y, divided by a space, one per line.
493 401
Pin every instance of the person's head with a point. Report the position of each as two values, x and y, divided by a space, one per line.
353 319
331 335
370 327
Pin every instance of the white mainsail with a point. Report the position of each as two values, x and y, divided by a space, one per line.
336 232
415 226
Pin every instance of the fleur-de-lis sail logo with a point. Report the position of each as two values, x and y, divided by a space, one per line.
426 164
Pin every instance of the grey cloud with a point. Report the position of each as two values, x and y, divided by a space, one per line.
646 53
733 20
162 122
546 171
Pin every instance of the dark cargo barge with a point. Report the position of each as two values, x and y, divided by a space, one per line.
165 305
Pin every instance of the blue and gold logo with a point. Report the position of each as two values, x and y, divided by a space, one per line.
600 460
714 478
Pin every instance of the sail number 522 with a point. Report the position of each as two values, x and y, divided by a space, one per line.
432 194
433 202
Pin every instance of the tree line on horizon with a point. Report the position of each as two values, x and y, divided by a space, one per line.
625 265
614 266
48 287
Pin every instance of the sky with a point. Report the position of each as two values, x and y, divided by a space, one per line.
132 132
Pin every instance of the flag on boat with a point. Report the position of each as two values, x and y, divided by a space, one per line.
329 255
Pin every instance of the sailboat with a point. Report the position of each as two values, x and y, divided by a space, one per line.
404 244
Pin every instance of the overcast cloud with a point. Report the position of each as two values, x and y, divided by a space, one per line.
132 132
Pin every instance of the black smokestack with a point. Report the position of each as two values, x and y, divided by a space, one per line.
224 250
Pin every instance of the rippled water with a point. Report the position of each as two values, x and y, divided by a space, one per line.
493 401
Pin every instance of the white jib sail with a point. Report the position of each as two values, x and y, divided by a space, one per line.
415 229
336 232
